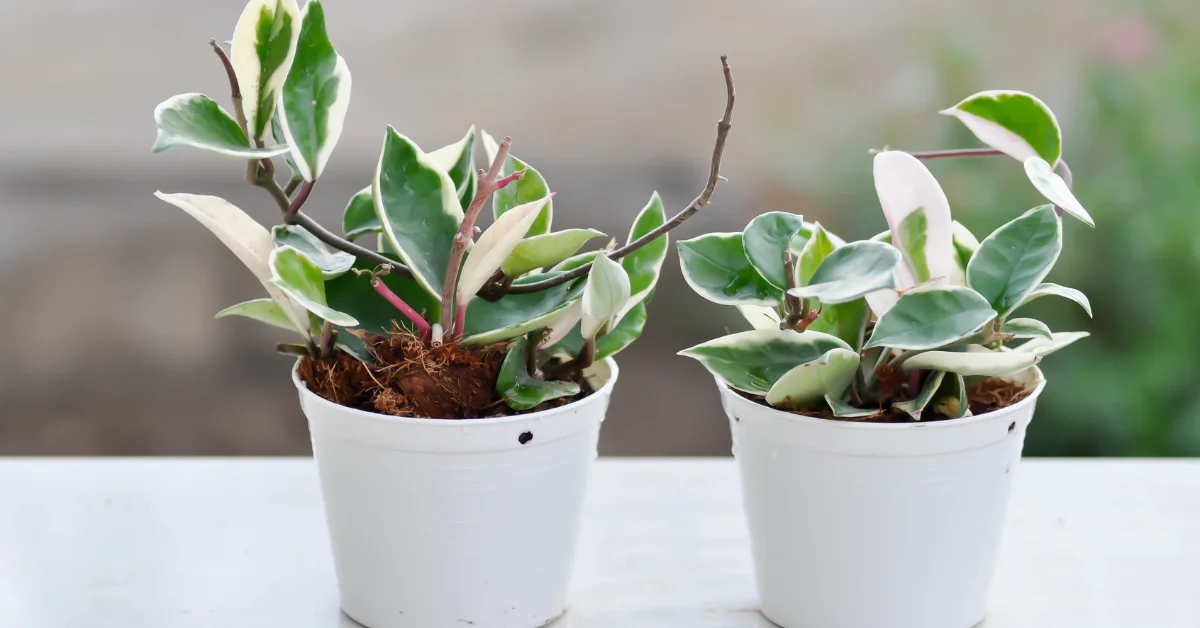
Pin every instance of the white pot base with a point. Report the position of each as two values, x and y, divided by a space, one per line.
865 525
451 523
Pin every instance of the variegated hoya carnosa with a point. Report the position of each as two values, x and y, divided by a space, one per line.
407 229
924 297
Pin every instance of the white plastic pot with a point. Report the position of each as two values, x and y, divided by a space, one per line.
453 523
869 525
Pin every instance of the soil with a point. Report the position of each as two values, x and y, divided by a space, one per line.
449 381
988 396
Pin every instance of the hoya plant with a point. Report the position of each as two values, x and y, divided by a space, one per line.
411 267
913 322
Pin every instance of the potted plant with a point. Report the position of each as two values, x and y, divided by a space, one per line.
879 405
454 386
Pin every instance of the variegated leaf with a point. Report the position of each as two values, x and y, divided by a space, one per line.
1052 186
1015 123
986 363
264 44
313 102
300 277
418 209
530 188
645 264
495 245
545 250
918 217
752 361
457 160
248 240
605 294
198 121
810 382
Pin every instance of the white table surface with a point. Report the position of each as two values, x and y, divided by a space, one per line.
240 543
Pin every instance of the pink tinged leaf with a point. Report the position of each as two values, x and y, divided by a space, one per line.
918 217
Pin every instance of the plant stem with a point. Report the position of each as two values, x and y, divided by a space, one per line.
948 154
714 175
531 350
292 185
298 202
328 337
484 189
405 309
235 90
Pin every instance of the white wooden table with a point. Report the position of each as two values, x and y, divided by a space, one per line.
240 543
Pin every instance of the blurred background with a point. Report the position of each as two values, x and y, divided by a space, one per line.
107 295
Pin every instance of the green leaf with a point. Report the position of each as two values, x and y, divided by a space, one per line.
987 363
300 277
530 188
1026 328
418 209
843 410
248 240
262 310
965 244
761 317
331 262
752 361
495 245
918 217
931 318
264 44
360 218
852 271
766 241
1044 347
951 398
604 295
522 391
457 160
847 321
516 314
810 382
1012 261
645 264
547 249
313 102
354 295
715 266
815 250
915 406
198 121
1052 186
1015 123
1049 289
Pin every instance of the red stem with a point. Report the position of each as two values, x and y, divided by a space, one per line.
504 181
460 321
405 309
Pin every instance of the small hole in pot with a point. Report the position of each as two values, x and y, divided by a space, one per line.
525 437
737 418
1012 426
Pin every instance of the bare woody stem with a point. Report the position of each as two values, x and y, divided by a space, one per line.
948 154
714 176
485 188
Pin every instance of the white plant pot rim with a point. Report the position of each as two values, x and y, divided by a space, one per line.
517 418
1030 399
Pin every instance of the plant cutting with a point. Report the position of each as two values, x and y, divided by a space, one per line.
454 377
880 402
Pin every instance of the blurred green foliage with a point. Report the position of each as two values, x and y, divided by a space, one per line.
1132 138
